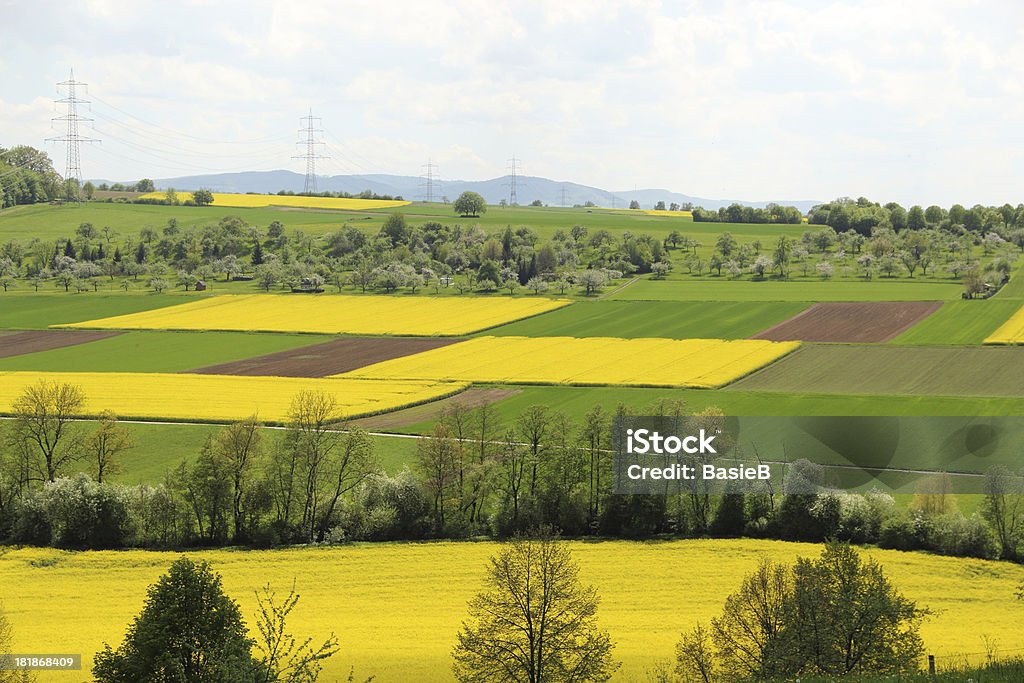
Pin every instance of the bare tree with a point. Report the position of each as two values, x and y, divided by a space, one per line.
353 461
239 445
533 621
533 428
695 656
748 633
43 415
285 659
106 442
437 458
312 415
1004 509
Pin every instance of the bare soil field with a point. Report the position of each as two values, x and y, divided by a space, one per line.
470 398
851 322
31 341
330 358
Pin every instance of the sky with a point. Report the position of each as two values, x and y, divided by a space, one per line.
916 101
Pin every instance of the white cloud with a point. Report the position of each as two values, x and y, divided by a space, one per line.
913 101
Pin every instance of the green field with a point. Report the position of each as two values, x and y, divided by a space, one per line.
396 607
715 289
960 322
154 351
47 222
704 319
894 370
37 310
575 402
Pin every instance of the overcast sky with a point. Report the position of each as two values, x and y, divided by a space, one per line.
916 101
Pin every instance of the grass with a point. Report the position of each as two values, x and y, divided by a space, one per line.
158 351
396 607
714 289
31 310
575 402
726 320
894 370
960 323
53 222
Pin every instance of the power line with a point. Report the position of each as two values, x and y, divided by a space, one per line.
311 154
429 178
73 169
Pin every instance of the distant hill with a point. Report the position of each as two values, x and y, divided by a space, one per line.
494 190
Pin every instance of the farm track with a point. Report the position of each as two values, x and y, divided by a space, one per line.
849 322
330 358
31 341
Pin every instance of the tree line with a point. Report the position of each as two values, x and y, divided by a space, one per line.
477 474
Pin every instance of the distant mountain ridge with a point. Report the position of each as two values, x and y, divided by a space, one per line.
528 189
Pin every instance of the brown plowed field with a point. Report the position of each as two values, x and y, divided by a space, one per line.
851 322
330 358
30 341
470 398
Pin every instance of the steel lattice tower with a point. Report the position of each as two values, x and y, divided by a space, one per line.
310 154
429 178
514 166
72 90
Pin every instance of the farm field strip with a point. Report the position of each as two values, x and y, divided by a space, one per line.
35 311
376 595
851 322
333 314
669 319
220 398
33 341
330 358
1010 332
259 201
155 351
704 289
702 363
893 370
960 323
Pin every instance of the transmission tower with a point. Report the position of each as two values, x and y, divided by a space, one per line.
310 130
514 168
563 196
72 91
429 179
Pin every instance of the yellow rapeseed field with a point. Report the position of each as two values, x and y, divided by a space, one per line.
1010 332
652 212
221 397
702 363
396 607
665 212
397 315
262 200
